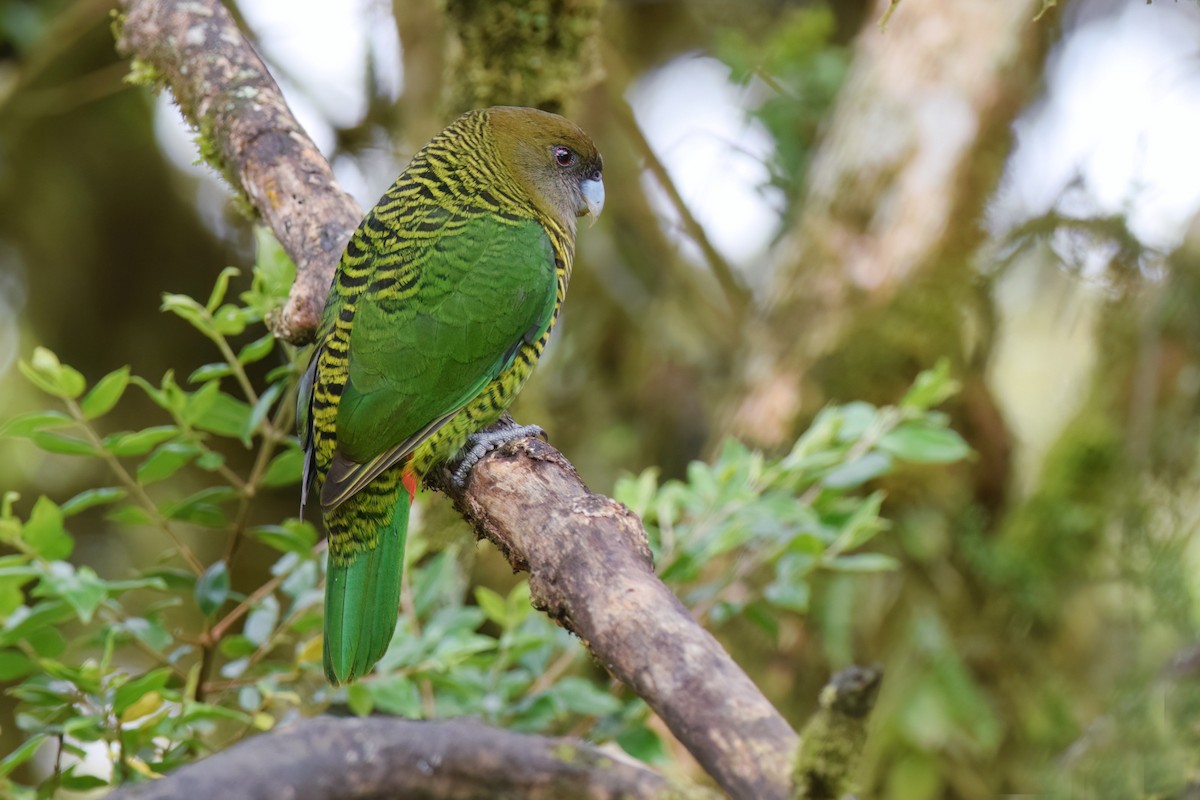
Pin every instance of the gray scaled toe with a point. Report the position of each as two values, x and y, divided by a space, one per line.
480 443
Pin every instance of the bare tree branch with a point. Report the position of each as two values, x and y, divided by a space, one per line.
362 759
248 132
590 569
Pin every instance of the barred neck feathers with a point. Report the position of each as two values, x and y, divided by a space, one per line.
549 157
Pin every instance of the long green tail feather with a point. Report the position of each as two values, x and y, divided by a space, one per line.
362 594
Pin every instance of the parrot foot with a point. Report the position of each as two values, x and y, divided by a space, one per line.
483 442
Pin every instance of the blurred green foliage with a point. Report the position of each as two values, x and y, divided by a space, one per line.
803 69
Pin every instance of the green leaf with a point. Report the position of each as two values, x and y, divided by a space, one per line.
81 588
132 691
857 472
208 372
230 320
80 783
581 696
26 424
358 697
260 411
203 507
226 416
285 469
925 444
11 594
46 372
261 621
493 605
863 562
138 443
257 350
792 596
863 524
212 588
49 642
14 664
105 394
221 287
168 459
25 622
90 498
22 754
44 531
58 443
643 744
185 307
237 646
293 536
210 460
149 631
130 515
932 387
396 694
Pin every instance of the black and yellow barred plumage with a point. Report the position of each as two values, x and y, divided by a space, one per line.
444 299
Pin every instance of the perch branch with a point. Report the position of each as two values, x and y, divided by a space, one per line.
587 556
357 759
590 569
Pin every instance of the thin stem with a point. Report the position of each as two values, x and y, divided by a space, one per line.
219 630
736 294
134 488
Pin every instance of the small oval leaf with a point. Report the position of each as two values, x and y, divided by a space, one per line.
105 394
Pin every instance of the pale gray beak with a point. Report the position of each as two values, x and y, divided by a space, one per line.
593 198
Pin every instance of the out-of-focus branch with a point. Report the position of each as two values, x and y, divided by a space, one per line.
832 741
912 147
248 132
357 759
736 295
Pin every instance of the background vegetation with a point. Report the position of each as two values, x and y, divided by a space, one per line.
782 419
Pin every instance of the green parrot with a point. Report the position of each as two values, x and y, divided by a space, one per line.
441 305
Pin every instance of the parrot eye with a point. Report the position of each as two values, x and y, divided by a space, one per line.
564 156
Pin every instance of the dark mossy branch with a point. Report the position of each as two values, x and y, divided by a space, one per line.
357 759
540 53
832 741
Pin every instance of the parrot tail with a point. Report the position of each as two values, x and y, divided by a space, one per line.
362 587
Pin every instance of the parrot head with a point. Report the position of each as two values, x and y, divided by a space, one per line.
553 159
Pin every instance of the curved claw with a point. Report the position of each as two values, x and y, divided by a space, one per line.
480 443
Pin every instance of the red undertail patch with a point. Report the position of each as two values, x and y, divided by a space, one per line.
409 479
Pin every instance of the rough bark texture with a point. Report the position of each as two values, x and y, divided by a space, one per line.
364 759
589 563
909 148
590 569
248 132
